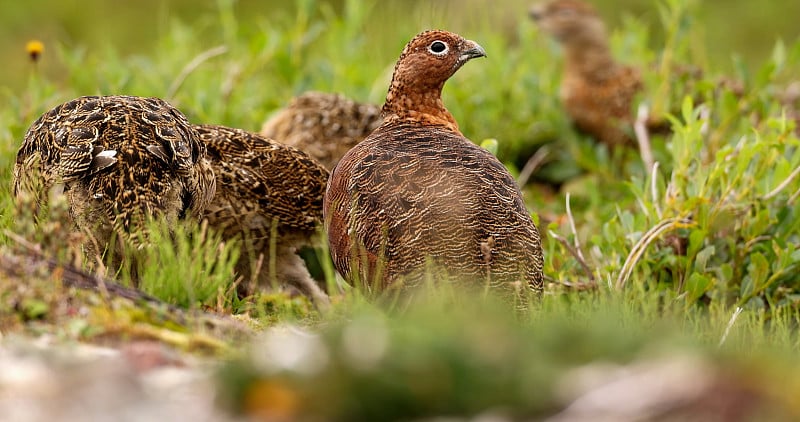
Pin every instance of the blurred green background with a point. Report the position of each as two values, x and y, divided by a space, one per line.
749 28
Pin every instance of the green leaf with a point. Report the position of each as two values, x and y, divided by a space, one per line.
701 261
34 308
758 269
687 109
726 271
754 227
696 241
490 144
696 286
535 218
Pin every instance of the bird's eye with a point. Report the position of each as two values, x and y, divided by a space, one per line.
438 48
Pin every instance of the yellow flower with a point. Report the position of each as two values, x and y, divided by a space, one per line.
35 48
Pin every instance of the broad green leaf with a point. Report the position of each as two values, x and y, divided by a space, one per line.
696 241
696 286
701 261
758 269
490 145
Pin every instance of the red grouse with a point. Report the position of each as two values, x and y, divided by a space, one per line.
416 196
597 92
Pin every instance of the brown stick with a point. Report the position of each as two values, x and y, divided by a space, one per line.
15 265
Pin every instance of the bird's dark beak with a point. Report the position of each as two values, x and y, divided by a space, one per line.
473 50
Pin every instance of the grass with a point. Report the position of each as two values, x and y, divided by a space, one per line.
698 256
190 267
413 363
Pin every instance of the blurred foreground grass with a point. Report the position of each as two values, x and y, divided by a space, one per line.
595 357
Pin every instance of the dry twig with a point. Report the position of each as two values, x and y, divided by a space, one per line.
533 164
643 137
639 248
192 65
578 256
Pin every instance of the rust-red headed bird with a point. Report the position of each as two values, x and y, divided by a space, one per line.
597 92
417 194
270 196
121 160
323 125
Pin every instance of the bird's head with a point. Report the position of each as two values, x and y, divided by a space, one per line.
425 64
570 22
434 56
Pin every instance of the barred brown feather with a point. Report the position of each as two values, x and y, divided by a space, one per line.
324 125
265 189
416 191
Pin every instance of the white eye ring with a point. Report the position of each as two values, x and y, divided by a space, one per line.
438 48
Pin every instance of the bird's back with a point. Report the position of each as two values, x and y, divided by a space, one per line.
270 197
601 104
262 182
121 160
418 194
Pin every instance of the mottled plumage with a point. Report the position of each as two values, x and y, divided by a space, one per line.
121 160
597 92
324 125
416 191
265 188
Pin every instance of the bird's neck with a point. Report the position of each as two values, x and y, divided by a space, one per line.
421 105
589 59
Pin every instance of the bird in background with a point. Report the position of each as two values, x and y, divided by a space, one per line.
119 161
417 198
324 125
596 91
270 196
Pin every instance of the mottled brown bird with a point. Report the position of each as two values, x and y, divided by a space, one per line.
270 196
416 194
596 91
324 125
121 160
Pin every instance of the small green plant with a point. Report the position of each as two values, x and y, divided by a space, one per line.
714 219
186 265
